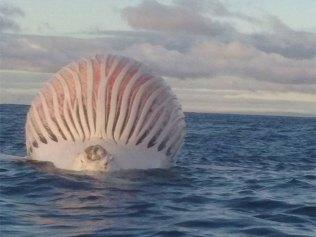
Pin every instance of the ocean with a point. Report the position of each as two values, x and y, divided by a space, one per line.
237 175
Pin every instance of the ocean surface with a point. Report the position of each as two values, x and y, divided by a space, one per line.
237 175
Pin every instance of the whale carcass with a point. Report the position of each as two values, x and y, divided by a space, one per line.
105 113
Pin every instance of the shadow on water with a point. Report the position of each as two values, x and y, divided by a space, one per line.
236 176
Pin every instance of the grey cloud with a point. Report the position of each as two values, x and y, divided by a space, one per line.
211 58
178 42
281 55
8 14
215 8
151 15
206 58
282 39
48 54
170 46
183 40
187 18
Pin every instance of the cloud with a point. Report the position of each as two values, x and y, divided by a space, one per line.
211 65
181 40
211 58
283 40
49 53
215 8
203 59
196 95
247 102
152 15
8 14
201 45
207 19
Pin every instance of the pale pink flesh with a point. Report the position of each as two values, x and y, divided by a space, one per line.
112 68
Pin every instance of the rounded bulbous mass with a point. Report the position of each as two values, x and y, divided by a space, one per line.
105 113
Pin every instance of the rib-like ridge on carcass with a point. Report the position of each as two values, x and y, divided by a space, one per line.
113 102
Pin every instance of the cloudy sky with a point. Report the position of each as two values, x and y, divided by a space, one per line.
229 56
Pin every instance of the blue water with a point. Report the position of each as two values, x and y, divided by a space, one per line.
236 176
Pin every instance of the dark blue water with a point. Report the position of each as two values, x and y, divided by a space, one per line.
236 176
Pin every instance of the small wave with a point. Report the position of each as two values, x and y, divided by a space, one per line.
251 203
283 218
294 183
268 231
309 211
231 180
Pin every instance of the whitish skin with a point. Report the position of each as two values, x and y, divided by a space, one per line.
103 114
94 158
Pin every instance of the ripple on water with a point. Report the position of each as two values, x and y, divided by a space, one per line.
236 176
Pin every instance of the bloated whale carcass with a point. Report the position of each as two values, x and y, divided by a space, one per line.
105 113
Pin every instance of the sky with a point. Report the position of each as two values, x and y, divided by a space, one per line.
229 56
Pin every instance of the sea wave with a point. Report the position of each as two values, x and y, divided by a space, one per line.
236 176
